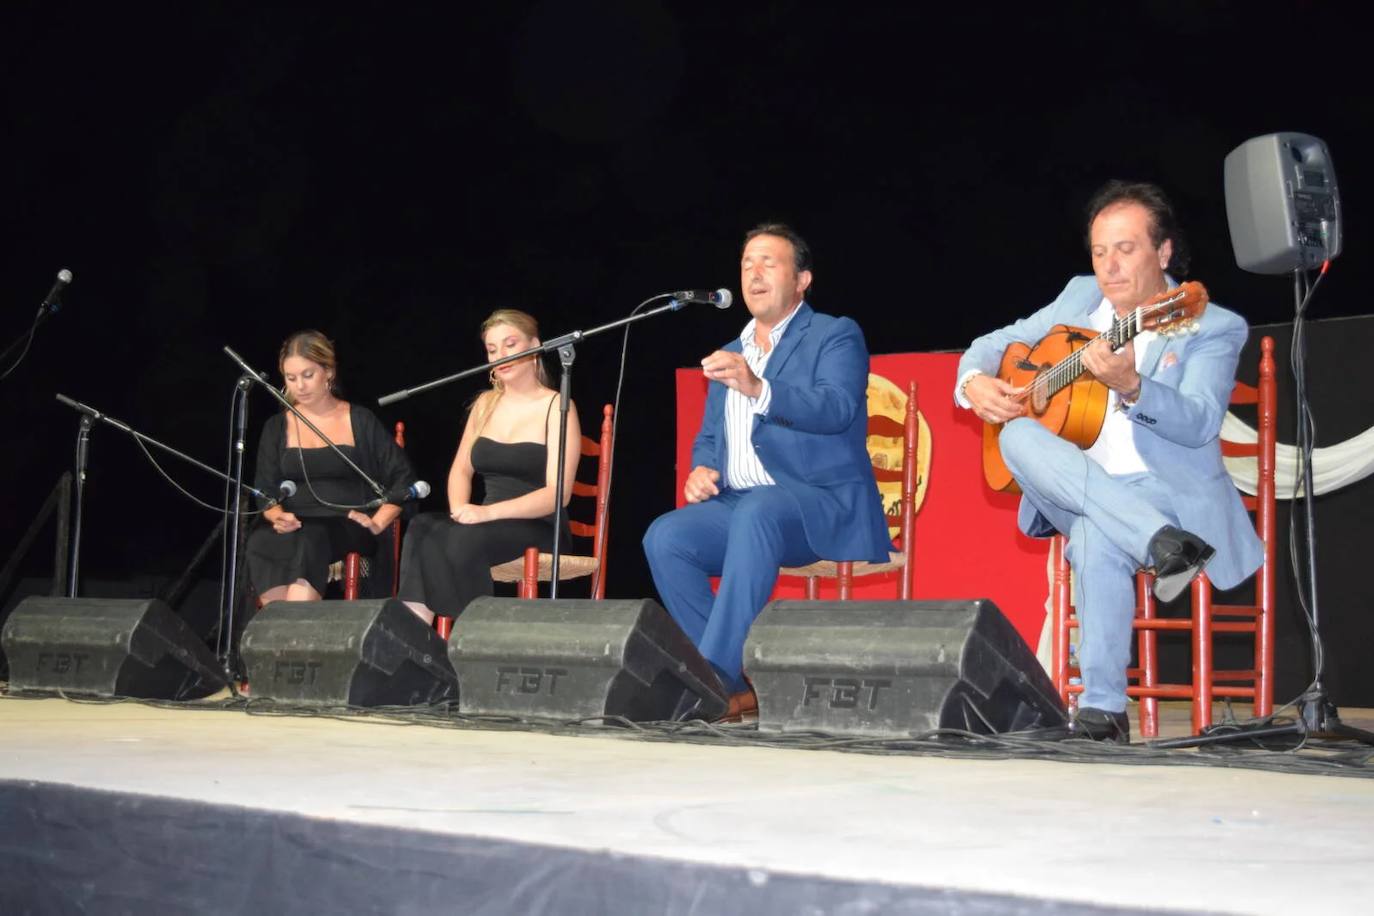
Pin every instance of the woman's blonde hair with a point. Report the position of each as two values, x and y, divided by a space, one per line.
526 324
317 348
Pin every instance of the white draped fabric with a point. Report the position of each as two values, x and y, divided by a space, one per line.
1333 467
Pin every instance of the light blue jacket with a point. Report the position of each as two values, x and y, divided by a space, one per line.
813 440
1185 388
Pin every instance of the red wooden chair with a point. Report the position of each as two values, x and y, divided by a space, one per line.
1207 618
535 567
844 572
355 567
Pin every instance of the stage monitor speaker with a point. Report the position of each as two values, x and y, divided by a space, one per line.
1282 203
573 659
353 653
895 669
108 647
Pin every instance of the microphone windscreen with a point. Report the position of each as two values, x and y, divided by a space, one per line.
726 299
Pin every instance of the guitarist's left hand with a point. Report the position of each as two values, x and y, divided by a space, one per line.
1115 370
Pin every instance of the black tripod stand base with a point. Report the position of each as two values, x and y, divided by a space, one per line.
1317 718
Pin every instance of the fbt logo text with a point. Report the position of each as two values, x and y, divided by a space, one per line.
296 672
843 692
516 679
62 662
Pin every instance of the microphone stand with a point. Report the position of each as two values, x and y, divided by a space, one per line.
83 453
88 418
567 354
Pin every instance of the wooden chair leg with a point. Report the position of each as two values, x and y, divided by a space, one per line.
1059 608
529 585
813 588
844 571
443 625
352 575
1147 645
1202 653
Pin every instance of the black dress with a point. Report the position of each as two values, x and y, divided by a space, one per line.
444 565
321 476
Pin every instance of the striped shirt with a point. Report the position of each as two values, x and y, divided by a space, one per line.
743 469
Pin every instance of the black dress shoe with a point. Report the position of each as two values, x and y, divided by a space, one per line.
1177 557
1099 725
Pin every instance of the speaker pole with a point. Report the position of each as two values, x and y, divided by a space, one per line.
1297 232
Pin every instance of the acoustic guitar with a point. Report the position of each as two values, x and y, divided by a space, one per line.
1064 397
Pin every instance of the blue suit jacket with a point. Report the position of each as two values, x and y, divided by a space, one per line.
1183 398
813 438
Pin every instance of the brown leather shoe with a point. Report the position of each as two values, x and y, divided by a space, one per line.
744 707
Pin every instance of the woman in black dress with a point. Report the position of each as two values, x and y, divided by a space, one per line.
511 441
290 551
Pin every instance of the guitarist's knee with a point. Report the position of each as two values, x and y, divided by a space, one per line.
1020 441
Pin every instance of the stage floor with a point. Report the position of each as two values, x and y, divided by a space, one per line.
1032 834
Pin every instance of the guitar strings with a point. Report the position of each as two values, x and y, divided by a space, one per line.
1070 368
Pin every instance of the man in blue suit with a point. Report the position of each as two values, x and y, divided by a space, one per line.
1151 492
781 474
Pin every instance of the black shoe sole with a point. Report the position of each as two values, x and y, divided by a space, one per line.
1167 588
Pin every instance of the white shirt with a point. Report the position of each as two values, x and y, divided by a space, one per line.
1115 446
743 469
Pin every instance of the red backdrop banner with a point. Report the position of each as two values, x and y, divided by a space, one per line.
967 543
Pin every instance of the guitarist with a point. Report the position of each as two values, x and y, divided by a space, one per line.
1151 492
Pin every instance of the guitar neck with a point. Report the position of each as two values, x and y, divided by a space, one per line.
1067 370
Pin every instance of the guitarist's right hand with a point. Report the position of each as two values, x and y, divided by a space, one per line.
993 400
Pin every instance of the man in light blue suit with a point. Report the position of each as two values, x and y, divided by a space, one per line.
1151 492
781 474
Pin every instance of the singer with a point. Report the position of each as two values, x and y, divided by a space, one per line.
510 441
781 474
289 552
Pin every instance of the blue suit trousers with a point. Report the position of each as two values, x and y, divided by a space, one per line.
742 536
1109 521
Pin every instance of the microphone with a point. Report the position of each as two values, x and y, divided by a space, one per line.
397 495
54 297
720 298
285 490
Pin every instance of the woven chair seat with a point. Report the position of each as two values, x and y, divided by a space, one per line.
828 569
569 567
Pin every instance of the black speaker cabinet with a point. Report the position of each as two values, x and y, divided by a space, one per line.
570 659
337 653
108 647
1282 204
895 668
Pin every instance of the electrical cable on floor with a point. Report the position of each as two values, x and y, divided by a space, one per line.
1314 758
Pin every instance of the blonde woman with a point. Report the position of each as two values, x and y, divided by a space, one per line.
510 441
289 552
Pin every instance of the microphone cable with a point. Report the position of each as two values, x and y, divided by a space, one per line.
619 384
